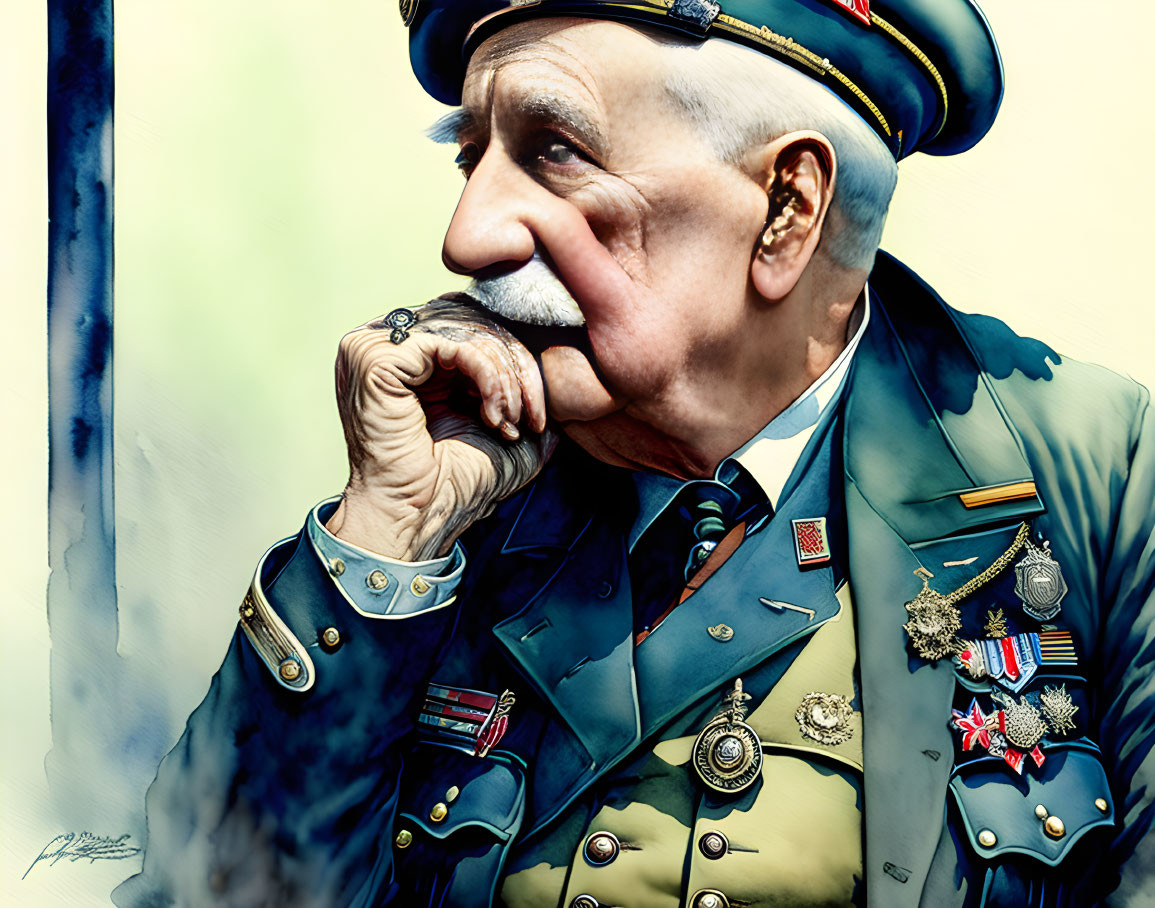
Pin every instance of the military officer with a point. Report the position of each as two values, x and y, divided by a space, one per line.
695 556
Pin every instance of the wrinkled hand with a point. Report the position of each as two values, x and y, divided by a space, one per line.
439 428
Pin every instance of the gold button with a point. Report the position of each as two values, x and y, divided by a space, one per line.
601 849
1041 812
1101 803
247 611
439 812
290 670
713 845
1055 827
451 795
987 838
404 838
336 567
420 586
377 580
709 898
330 638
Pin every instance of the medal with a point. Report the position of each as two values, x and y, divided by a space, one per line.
1058 709
1010 732
1016 728
1039 583
727 754
996 625
935 618
934 621
467 718
825 718
1013 661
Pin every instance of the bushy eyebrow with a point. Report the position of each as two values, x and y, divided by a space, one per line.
552 108
447 130
542 106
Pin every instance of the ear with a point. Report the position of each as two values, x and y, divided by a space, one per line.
800 170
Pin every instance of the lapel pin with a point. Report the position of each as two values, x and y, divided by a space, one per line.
721 632
779 605
811 545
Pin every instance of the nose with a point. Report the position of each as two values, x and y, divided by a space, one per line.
491 228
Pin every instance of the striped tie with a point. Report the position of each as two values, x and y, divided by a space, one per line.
694 522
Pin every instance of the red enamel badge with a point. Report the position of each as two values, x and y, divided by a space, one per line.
860 9
810 542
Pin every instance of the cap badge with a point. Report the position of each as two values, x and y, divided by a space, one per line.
860 9
698 13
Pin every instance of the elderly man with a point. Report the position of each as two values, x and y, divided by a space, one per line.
696 555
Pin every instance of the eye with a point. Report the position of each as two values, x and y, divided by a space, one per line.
559 153
467 158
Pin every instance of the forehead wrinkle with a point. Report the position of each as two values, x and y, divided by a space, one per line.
531 93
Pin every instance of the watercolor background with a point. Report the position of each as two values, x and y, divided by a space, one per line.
273 189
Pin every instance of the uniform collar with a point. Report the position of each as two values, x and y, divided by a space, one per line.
769 457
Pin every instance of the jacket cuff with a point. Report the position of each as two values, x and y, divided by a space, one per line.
379 587
298 622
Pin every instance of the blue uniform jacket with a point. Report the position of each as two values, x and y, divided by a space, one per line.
275 796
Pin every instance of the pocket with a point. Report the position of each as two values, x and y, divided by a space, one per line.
457 815
1042 814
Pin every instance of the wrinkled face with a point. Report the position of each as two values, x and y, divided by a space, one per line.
573 152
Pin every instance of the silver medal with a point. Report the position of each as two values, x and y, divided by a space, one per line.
727 754
1039 583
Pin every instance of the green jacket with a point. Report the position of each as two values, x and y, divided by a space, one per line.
282 795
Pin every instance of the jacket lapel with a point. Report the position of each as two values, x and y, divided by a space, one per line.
682 661
923 429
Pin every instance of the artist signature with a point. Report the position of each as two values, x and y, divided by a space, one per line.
80 846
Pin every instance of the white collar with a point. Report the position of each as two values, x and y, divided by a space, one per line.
769 457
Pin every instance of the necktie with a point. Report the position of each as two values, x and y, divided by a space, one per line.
680 540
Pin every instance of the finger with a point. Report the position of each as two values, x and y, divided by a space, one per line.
531 385
495 348
473 362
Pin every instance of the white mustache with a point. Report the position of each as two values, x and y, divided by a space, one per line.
532 294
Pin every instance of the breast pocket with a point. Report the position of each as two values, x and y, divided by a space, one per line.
1042 814
457 815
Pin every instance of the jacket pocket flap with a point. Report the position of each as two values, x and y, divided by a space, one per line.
1042 813
490 792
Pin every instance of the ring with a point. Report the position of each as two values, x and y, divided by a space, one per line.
399 320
